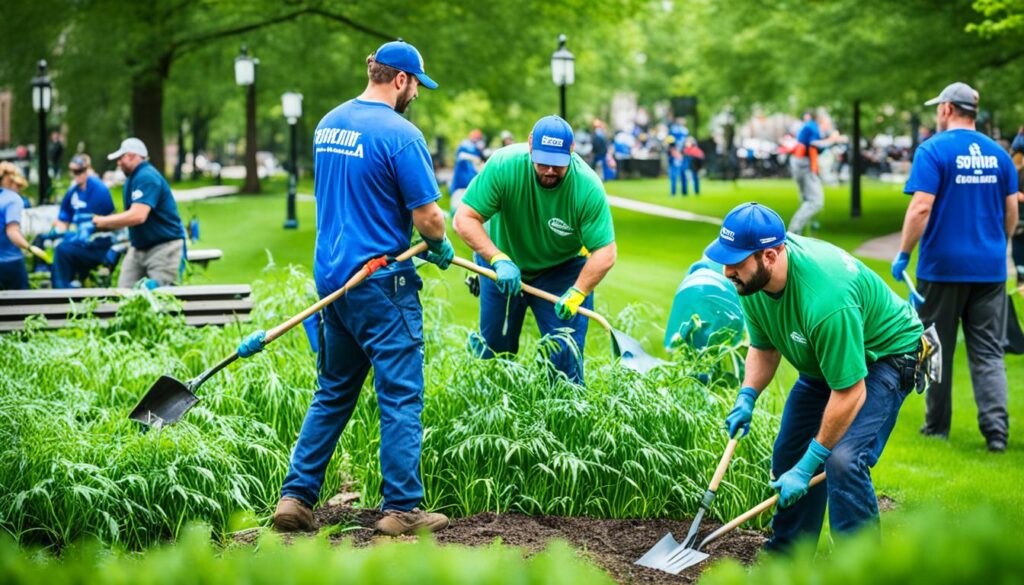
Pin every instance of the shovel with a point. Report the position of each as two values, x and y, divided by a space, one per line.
169 399
624 347
677 557
667 550
918 297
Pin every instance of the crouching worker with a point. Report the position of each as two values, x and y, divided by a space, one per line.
858 349
543 204
374 182
79 254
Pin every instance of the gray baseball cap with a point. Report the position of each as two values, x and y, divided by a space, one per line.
958 93
132 145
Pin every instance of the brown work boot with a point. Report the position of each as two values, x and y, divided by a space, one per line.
396 522
292 515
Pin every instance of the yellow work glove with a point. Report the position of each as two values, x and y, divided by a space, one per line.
570 302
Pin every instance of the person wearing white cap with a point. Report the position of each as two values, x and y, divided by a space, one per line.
154 226
963 211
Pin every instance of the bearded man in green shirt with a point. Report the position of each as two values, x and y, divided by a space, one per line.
544 207
857 347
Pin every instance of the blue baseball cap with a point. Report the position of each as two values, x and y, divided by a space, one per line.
747 229
404 57
551 142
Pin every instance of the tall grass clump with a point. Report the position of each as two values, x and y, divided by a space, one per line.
499 435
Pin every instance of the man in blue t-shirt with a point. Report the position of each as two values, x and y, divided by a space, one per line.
803 164
469 157
963 210
151 215
374 182
78 254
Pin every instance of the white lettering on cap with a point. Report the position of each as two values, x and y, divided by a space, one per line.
728 234
768 240
551 141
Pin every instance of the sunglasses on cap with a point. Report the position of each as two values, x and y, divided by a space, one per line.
78 171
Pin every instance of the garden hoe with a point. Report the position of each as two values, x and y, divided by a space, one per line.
680 558
169 399
667 550
629 350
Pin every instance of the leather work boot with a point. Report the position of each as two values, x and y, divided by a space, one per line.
292 515
396 522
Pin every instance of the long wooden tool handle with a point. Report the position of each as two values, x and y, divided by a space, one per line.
474 267
723 465
39 253
751 513
357 278
910 283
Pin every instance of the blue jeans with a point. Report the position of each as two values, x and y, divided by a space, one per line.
848 491
13 275
676 174
555 280
377 324
75 260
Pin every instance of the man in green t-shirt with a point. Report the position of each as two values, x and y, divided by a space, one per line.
544 208
857 348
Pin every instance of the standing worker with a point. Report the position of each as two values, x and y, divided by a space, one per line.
151 215
544 204
13 275
374 182
856 346
75 257
469 157
963 210
803 163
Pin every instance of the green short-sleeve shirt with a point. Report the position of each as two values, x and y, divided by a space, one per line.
835 316
540 228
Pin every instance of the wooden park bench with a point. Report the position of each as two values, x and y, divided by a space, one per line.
203 257
200 305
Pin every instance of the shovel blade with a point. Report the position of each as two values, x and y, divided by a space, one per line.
658 555
164 403
632 355
687 559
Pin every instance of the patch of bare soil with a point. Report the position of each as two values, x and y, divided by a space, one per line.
612 544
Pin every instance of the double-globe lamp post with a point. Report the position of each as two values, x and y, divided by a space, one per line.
245 75
563 70
42 96
291 104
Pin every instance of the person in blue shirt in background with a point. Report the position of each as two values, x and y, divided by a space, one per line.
599 155
803 164
963 210
469 157
78 254
374 182
13 275
676 162
151 215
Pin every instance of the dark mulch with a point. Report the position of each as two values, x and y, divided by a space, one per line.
612 544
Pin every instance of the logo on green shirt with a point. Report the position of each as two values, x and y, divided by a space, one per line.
560 227
798 338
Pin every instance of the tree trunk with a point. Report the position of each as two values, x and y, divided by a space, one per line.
147 114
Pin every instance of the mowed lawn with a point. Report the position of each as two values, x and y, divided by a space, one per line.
654 254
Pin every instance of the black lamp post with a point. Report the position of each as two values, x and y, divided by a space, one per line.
42 96
563 70
291 104
245 75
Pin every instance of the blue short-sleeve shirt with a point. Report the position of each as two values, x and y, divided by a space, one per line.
372 169
970 176
11 206
94 198
465 170
147 186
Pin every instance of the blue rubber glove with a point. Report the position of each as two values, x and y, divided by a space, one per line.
899 265
510 280
792 485
83 232
440 252
252 345
742 412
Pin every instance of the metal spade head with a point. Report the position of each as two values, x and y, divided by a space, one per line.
632 354
670 556
164 403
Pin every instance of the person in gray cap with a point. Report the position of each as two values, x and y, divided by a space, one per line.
154 226
963 211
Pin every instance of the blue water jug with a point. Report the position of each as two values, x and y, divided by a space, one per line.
706 310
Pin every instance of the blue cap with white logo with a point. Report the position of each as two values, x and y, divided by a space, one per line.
551 142
404 57
747 229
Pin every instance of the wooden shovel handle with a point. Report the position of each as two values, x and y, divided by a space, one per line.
723 465
357 278
751 513
474 267
39 253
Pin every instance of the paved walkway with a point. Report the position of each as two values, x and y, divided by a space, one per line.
660 210
200 193
881 248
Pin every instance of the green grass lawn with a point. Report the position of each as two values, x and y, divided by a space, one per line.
654 254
